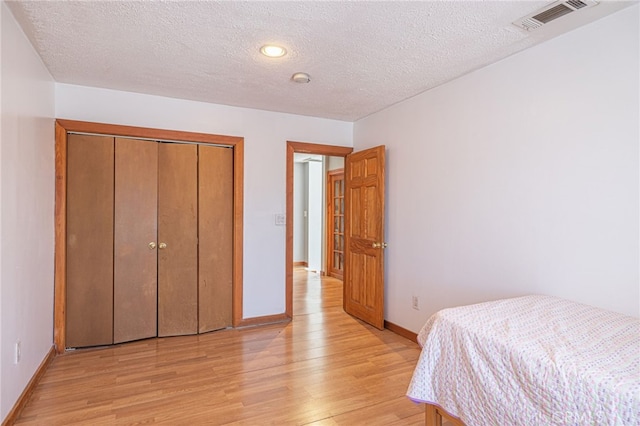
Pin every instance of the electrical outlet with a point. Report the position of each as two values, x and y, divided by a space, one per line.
18 352
415 303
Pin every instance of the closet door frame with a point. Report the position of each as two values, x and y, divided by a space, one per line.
62 129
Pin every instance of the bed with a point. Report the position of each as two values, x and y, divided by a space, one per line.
533 360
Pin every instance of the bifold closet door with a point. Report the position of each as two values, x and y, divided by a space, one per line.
215 229
135 232
177 239
89 298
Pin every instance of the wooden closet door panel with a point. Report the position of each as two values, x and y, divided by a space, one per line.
136 209
215 229
89 304
178 230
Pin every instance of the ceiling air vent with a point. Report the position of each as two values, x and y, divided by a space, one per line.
552 12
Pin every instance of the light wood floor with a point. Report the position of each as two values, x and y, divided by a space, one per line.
323 368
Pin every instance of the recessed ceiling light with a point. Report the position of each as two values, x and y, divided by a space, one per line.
273 51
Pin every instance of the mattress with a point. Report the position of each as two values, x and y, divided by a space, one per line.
533 360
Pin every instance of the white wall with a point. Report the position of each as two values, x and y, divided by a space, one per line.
315 216
265 134
334 163
26 211
299 209
521 177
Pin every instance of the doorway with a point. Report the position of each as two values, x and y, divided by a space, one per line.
318 214
335 230
312 152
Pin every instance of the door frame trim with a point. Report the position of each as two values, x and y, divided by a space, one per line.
305 148
62 128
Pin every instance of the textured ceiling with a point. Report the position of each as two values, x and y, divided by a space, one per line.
362 56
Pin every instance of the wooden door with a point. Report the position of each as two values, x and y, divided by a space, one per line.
135 231
335 223
215 230
364 229
89 296
177 239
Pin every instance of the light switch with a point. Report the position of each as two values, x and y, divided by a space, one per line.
281 219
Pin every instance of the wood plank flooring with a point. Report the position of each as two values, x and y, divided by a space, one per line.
323 368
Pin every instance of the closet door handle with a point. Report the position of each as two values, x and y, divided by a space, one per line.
152 245
162 246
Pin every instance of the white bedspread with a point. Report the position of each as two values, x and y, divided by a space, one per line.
533 360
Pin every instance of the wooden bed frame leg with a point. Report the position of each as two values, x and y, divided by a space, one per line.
432 417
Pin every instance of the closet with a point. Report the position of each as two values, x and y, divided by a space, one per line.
149 239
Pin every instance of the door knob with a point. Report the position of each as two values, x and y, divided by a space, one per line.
379 245
162 246
152 245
